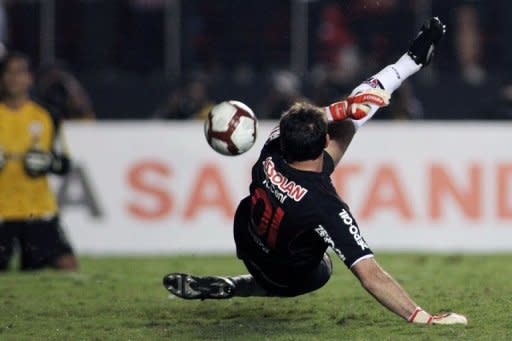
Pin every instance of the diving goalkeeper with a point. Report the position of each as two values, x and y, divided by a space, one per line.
293 213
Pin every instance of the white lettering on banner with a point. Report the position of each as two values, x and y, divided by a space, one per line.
328 240
354 231
292 190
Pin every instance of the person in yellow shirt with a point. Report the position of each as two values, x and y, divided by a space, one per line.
31 148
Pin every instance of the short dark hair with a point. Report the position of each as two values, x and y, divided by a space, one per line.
303 129
12 56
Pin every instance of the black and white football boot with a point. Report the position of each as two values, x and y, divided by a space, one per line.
423 46
194 287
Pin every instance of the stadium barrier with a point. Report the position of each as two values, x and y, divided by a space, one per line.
157 187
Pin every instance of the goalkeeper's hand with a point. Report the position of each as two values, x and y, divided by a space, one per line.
37 163
420 316
358 106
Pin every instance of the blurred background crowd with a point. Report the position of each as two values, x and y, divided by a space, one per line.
172 59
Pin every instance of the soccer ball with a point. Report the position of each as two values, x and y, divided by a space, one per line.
230 128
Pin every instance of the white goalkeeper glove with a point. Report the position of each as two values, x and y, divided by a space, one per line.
420 316
358 105
37 163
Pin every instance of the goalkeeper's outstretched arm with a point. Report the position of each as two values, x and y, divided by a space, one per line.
392 296
369 96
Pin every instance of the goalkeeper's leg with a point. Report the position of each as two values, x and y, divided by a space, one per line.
419 54
280 282
212 287
196 287
261 282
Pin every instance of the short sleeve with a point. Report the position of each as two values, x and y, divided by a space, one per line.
341 232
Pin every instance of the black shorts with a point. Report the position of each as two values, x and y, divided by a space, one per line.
278 281
276 278
40 242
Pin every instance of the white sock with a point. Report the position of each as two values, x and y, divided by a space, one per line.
391 77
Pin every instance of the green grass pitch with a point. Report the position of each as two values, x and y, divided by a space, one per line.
123 299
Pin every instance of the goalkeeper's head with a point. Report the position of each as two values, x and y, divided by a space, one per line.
303 130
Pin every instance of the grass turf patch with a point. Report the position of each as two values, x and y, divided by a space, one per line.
123 298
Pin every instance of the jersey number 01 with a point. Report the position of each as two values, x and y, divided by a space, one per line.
268 223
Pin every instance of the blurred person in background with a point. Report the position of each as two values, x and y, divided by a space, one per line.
188 101
31 148
60 90
472 55
332 34
405 105
380 26
469 44
327 81
338 62
284 91
3 29
501 103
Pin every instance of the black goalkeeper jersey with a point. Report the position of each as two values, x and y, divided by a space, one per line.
293 216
